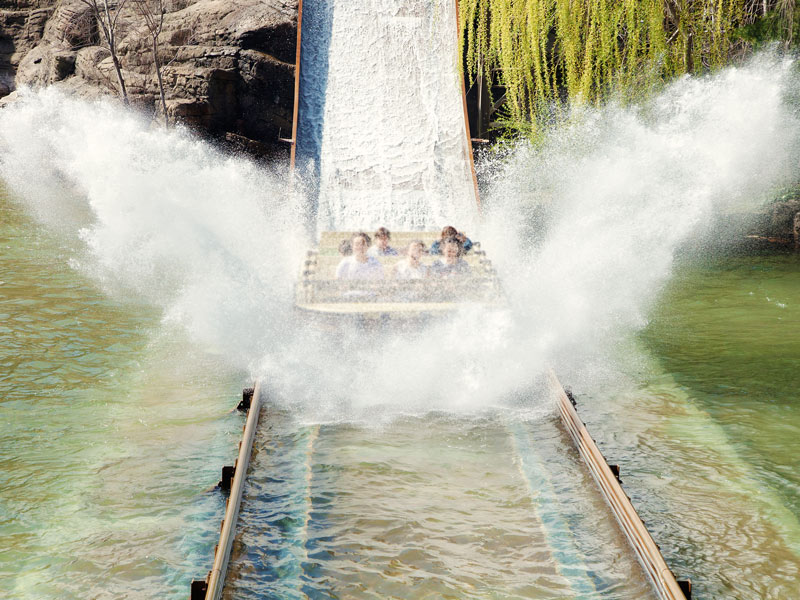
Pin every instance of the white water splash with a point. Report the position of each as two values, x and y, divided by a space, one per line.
617 191
159 216
211 239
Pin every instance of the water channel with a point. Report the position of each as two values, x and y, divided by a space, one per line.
106 474
145 277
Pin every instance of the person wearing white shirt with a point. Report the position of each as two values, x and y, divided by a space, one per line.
359 265
411 267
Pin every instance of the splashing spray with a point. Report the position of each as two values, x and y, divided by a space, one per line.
583 227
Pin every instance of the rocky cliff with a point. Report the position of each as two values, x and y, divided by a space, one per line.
228 65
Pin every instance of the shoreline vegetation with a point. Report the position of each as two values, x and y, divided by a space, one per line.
529 63
536 58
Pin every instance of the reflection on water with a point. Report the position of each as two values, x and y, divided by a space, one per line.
704 416
112 430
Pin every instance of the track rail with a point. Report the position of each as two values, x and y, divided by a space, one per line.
648 553
295 110
468 139
211 587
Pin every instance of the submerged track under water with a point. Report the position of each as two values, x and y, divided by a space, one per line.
466 507
342 511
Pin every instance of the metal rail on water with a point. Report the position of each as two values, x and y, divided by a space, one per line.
607 479
647 551
211 587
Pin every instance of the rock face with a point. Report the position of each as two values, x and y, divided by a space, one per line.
783 217
227 65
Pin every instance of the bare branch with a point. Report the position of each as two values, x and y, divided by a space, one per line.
152 13
106 17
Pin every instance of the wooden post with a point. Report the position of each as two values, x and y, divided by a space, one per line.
468 147
484 102
296 89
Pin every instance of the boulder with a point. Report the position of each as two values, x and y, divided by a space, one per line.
227 65
45 65
782 216
796 230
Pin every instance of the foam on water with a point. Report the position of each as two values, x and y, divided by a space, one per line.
161 217
158 216
614 193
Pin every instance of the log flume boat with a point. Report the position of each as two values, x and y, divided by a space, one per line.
319 294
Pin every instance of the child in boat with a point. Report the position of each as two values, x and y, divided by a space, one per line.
359 265
411 267
451 264
382 247
448 232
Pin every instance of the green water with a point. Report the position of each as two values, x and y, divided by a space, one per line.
703 413
114 427
730 335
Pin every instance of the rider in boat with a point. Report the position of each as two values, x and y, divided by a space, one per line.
359 265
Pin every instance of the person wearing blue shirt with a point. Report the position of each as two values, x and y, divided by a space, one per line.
451 232
451 264
381 246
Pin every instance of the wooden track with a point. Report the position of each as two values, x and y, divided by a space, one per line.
293 152
468 148
647 551
295 111
215 580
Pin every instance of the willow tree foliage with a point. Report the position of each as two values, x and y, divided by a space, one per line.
545 51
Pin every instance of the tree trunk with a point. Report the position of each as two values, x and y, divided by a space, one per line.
123 92
160 81
688 53
108 26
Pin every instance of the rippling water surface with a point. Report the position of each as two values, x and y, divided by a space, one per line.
494 506
114 427
113 430
703 413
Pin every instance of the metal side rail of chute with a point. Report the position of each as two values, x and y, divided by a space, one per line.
233 478
666 586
